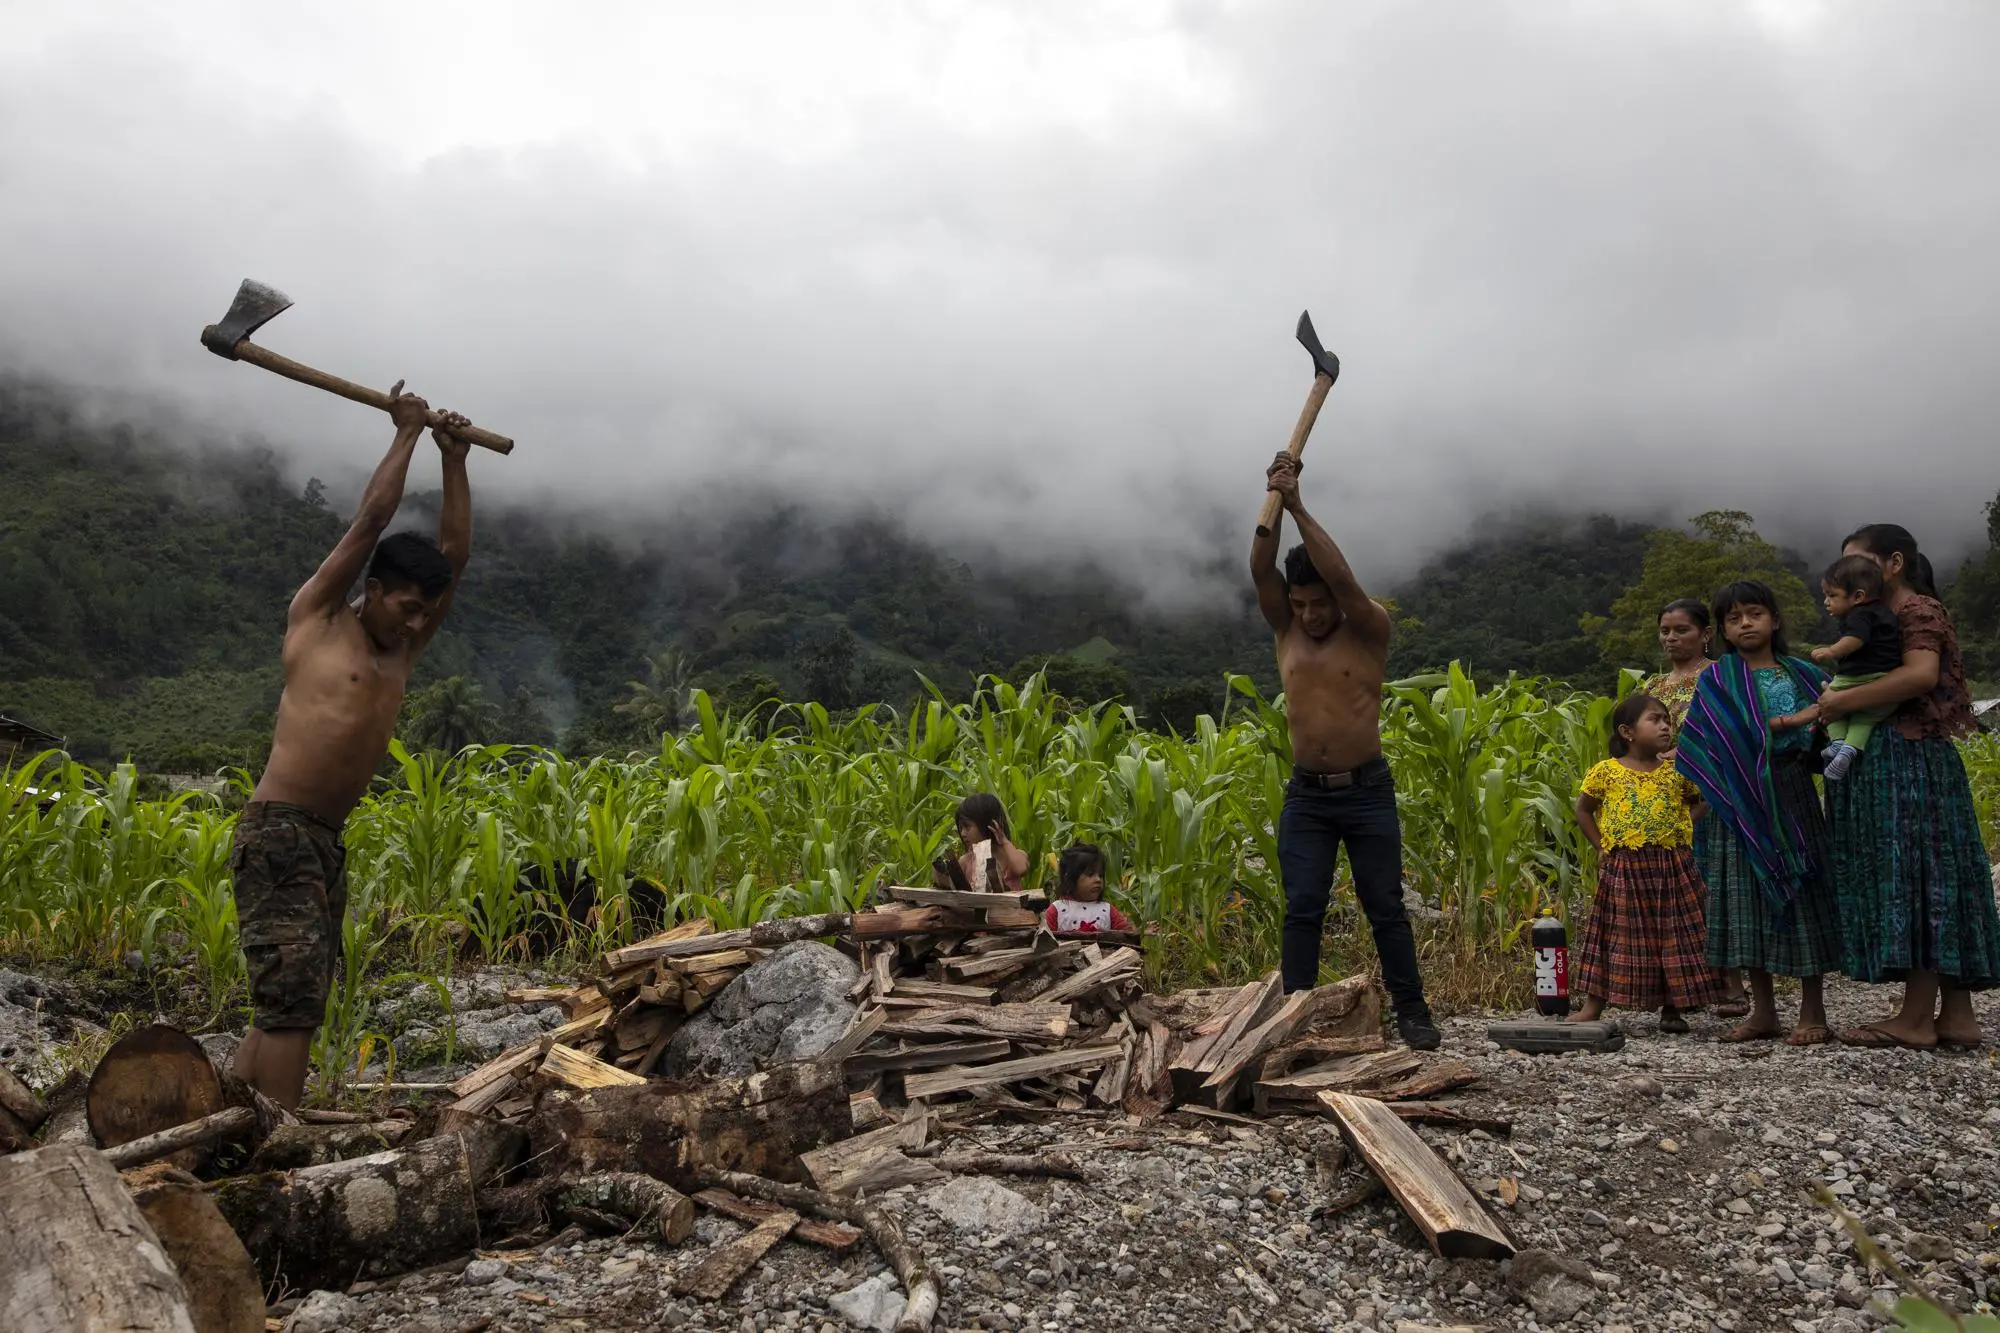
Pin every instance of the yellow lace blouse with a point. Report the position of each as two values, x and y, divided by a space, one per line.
1641 809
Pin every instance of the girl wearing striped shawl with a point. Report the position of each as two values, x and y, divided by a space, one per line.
1746 744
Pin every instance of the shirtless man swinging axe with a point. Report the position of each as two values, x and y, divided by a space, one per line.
1333 649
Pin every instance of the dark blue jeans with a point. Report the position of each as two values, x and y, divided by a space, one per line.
1312 828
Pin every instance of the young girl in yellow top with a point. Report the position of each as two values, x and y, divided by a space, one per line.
1644 946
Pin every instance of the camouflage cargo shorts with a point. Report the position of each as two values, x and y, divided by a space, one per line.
290 869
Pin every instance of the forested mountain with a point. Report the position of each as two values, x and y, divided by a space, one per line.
143 589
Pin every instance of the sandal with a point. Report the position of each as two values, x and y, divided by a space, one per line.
1819 1034
1744 1032
1872 1038
1674 1026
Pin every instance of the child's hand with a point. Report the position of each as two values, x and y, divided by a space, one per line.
1822 654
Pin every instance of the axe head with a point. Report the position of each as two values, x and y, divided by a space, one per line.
255 306
1324 362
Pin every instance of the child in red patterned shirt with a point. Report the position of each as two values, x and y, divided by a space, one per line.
1079 904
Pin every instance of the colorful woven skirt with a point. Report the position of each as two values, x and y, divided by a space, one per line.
1642 947
1744 929
1915 884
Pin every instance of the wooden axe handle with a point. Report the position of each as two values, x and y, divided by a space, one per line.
319 379
1267 522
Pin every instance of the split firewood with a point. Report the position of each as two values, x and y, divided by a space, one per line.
636 1201
476 1091
763 935
291 1146
947 1081
929 1057
322 1226
995 964
723 960
859 1033
1294 1015
1130 939
223 1291
864 1110
20 1102
871 1162
578 1070
964 900
1116 966
1192 1065
1021 1022
1349 1073
1448 1214
712 1278
183 1142
153 1078
1292 1055
835 1236
911 988
1444 1076
77 1253
919 1283
671 1131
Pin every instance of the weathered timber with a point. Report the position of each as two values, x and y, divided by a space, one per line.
919 1281
1186 1066
293 1146
76 1253
151 1079
1129 939
721 961
712 1278
1032 1021
672 1131
1347 1073
1118 965
1012 1164
177 1142
578 1070
324 1226
965 901
519 1059
223 1293
1443 1076
929 1057
863 1029
864 1110
1000 962
1295 1014
1448 1213
492 1149
947 1081
763 935
874 1161
912 988
1291 1055
20 1101
641 1024
635 1200
835 1236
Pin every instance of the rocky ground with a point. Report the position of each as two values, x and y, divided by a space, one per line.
1668 1186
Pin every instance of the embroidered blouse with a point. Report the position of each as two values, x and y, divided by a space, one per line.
1641 809
1676 692
1780 693
1946 710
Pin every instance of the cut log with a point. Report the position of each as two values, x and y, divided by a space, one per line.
1449 1214
947 1081
671 1131
872 1162
636 1201
908 988
763 935
695 965
224 1295
324 1226
492 1149
75 1251
864 1109
151 1079
179 1142
293 1146
972 901
919 1282
930 1057
1295 1014
20 1101
1012 1164
1032 1021
835 1236
578 1070
712 1278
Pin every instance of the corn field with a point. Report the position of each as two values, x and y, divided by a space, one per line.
790 810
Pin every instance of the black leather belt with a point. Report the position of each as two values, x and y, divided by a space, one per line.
1375 768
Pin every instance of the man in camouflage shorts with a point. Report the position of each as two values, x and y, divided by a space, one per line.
346 663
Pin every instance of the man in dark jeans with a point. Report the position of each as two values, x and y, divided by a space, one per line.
1333 646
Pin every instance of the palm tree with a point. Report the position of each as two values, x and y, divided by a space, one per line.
450 715
659 702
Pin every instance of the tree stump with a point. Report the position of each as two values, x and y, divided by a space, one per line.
153 1079
75 1251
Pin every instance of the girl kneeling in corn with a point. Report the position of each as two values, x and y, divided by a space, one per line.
1644 945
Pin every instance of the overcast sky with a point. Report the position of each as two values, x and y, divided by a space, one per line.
1029 271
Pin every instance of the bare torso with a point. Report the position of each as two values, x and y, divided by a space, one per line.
1333 697
335 718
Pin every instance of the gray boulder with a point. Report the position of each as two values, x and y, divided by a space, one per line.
791 1006
1555 1286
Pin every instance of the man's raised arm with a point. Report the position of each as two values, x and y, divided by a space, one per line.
454 518
1356 608
326 591
1272 598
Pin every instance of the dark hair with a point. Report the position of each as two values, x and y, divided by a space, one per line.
1078 860
1886 539
1749 592
980 809
1627 714
1855 575
1691 607
1299 568
410 560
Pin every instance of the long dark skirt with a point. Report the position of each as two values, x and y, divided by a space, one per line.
1915 884
1642 947
1744 929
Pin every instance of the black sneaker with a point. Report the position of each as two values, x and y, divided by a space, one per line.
1418 1032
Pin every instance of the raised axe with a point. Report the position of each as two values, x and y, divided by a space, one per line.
1326 369
257 305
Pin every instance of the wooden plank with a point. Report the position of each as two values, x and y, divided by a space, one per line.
1202 1035
582 1071
930 1057
713 962
765 934
835 1236
1297 1012
1030 1021
1443 1076
1314 1051
909 988
1270 995
712 1278
948 1081
1116 966
974 901
999 962
1130 939
1350 1073
1448 1213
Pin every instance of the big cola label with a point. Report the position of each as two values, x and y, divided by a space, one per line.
1552 972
